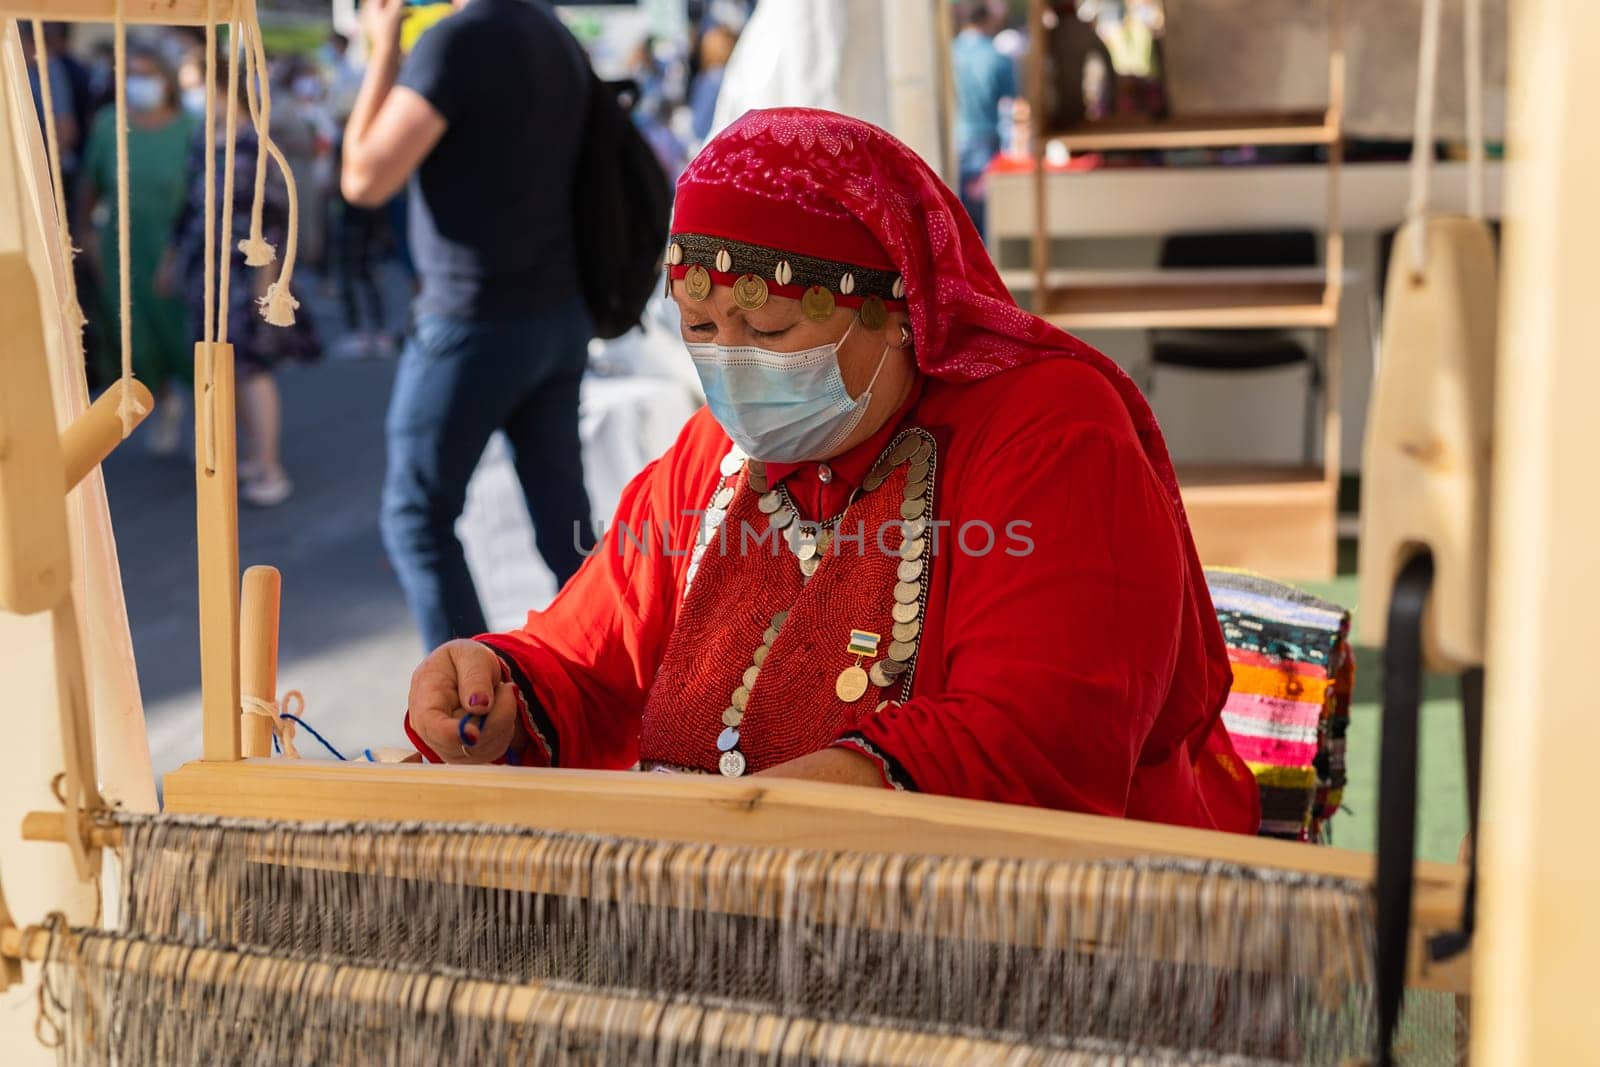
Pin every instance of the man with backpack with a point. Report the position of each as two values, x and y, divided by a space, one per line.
486 119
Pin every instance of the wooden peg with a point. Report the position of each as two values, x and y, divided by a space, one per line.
92 436
258 654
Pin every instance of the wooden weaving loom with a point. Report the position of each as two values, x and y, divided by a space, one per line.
292 910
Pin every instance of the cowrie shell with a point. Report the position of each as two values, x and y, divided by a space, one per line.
675 254
898 290
847 284
784 273
724 261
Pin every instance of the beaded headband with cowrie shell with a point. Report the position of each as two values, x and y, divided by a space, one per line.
756 272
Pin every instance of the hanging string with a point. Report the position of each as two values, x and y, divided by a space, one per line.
128 407
226 250
278 306
1422 134
69 305
258 251
1472 28
208 287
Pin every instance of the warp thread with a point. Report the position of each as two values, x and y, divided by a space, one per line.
422 936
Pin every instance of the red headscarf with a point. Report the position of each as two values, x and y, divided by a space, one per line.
827 185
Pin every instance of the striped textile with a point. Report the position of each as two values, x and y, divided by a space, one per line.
1289 709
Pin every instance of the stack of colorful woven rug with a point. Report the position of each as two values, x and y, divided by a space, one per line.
1289 709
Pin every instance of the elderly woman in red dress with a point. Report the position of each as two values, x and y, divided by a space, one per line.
918 539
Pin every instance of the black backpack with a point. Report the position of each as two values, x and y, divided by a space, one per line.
622 207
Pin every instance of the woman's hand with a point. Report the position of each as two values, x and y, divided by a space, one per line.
459 706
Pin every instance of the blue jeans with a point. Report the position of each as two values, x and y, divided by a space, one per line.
459 380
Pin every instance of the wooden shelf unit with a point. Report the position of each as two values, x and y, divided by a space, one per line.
1283 522
1198 131
1230 507
1289 298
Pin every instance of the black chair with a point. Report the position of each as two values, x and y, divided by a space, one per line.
1239 350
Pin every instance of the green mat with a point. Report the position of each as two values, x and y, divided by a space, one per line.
1442 793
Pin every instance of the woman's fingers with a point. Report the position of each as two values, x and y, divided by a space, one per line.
459 706
489 736
477 672
434 703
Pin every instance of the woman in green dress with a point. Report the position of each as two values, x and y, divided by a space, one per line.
159 134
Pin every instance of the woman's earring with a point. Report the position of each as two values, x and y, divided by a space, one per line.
905 336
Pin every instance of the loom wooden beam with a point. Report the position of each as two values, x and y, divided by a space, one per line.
216 485
771 812
94 434
535 1005
156 12
258 654
51 826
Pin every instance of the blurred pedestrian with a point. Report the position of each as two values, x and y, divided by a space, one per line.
62 105
984 80
158 143
716 48
485 120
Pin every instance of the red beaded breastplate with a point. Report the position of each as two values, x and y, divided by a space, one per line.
792 632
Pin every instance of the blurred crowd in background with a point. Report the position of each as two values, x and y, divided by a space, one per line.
353 255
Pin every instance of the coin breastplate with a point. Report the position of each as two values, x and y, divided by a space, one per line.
778 610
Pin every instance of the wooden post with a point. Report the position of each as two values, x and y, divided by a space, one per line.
94 434
217 514
10 965
35 564
1333 371
258 654
1537 936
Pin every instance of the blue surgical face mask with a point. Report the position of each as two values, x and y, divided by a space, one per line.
145 92
784 407
194 100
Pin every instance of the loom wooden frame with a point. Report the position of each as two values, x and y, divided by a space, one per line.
713 811
145 12
765 812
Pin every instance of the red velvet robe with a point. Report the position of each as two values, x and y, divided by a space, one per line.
1074 665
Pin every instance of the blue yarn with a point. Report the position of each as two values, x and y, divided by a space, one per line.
312 730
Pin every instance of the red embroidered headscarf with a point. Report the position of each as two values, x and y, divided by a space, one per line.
828 186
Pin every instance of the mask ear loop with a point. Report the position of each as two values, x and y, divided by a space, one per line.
867 392
839 344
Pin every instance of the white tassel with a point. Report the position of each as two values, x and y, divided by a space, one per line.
258 251
278 306
129 409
